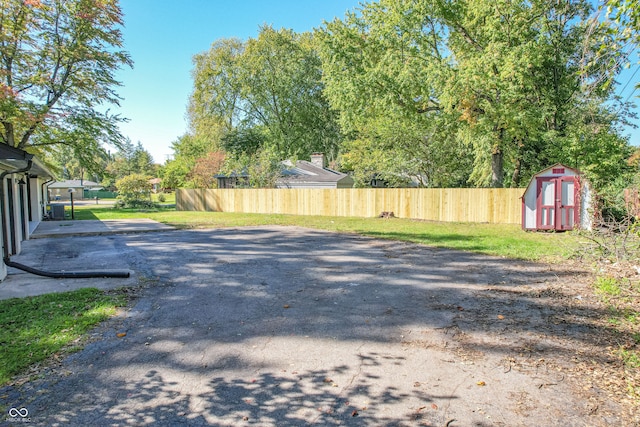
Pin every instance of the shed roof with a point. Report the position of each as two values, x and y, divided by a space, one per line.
557 165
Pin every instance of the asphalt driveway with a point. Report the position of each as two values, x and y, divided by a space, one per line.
279 326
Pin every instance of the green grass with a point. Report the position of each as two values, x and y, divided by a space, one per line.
607 286
169 198
35 328
494 239
620 297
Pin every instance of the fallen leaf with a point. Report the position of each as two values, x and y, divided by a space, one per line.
354 413
481 383
500 316
434 406
328 380
460 309
121 334
286 306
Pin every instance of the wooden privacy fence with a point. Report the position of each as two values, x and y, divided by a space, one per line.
492 205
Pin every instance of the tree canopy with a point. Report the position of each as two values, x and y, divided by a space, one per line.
57 64
502 81
266 91
129 159
426 92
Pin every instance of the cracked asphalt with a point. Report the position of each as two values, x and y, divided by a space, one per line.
286 326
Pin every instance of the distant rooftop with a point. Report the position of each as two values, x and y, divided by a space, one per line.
75 183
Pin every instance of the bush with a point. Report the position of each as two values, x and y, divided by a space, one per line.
162 198
134 191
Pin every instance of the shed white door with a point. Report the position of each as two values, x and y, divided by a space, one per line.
557 203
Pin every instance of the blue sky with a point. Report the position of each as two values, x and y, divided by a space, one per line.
163 35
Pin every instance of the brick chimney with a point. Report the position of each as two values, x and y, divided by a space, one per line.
317 159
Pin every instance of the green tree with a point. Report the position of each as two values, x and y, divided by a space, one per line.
143 161
174 175
215 106
134 190
244 141
130 159
263 167
57 65
68 164
265 91
187 150
500 78
384 70
524 99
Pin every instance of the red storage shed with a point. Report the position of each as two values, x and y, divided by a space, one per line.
557 198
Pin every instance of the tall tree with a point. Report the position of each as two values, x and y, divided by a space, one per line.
130 159
215 106
502 76
187 150
266 90
57 64
384 70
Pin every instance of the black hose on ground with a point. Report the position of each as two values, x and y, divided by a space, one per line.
53 274
67 274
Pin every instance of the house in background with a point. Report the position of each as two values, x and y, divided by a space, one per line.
60 190
155 184
312 174
302 174
23 198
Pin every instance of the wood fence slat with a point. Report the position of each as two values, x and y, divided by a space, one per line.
493 205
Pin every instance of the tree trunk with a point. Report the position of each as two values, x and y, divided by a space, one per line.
497 171
515 178
517 171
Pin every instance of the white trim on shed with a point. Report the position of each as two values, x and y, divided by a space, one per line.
557 198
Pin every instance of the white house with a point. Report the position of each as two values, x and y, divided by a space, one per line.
23 198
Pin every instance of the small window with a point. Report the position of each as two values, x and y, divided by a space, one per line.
558 171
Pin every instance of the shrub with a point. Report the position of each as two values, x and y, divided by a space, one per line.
135 191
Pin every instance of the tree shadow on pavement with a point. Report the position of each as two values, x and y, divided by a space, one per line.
289 326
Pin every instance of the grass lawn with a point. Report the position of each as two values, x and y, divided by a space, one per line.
494 239
37 328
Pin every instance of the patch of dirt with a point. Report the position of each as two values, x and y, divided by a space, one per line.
575 339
